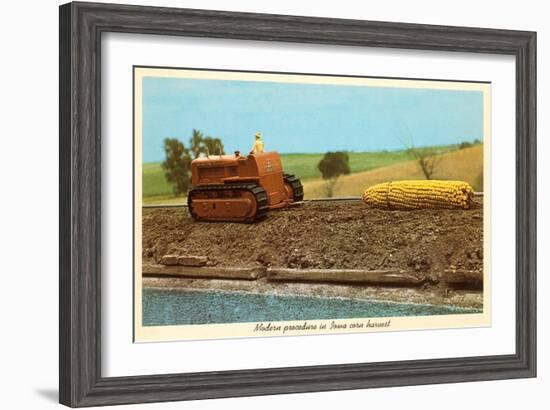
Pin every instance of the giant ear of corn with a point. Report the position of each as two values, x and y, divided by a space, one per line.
425 194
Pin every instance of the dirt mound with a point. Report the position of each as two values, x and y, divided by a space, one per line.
325 235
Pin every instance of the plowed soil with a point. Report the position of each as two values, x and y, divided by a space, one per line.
325 235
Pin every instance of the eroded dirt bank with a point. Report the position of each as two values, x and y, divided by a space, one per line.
325 235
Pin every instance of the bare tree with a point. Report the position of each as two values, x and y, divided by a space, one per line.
426 159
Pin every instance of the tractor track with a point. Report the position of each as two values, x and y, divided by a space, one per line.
253 188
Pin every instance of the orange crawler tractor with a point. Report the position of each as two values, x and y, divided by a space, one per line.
240 188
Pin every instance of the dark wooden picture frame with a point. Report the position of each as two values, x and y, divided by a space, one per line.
81 27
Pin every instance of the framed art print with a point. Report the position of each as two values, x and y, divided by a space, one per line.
209 263
291 204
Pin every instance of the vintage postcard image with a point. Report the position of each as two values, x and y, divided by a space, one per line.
275 204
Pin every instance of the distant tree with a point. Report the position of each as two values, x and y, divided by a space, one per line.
205 145
426 159
213 146
195 143
332 165
177 166
477 141
465 144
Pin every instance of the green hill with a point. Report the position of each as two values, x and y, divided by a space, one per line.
304 166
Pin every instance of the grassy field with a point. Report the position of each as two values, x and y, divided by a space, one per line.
463 165
154 182
156 190
305 165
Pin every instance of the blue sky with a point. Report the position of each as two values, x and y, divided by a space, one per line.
306 117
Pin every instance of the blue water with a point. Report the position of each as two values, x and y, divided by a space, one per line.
177 307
